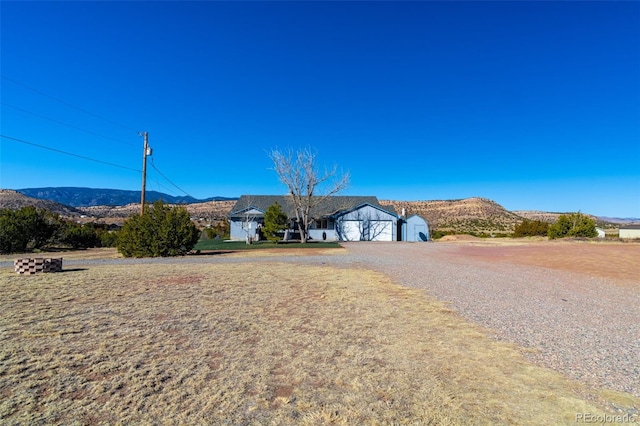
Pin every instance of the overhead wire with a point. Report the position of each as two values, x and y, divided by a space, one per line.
168 180
64 124
81 129
69 153
164 189
40 92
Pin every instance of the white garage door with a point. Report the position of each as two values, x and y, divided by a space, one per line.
350 230
382 231
378 230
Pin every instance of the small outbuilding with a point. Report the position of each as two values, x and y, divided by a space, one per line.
415 228
629 231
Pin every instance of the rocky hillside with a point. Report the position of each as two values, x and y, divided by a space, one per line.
208 211
538 215
477 215
10 199
608 224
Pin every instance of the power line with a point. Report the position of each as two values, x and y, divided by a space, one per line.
68 153
162 188
168 180
67 103
63 123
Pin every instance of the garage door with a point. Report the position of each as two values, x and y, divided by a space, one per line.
381 230
377 230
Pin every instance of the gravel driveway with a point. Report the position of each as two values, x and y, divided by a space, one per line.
583 326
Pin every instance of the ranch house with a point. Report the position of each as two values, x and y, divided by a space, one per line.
337 218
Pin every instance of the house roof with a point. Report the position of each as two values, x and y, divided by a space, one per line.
631 226
327 207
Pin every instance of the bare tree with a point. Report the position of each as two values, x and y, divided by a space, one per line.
371 225
249 220
306 185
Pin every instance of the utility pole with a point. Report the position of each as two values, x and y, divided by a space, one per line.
146 151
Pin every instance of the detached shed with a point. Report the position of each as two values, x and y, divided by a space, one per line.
415 228
629 231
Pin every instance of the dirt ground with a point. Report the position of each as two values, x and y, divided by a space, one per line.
618 261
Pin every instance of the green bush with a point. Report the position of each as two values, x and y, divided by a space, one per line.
221 230
81 236
109 239
159 232
274 221
573 225
27 229
531 228
12 237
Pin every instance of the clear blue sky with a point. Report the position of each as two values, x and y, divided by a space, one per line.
535 105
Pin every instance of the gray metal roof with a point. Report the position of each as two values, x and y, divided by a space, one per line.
326 207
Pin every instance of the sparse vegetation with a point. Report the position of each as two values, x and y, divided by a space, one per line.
475 216
257 344
220 230
26 229
436 234
33 229
573 225
160 231
531 228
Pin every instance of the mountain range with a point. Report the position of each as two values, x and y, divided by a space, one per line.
86 197
470 215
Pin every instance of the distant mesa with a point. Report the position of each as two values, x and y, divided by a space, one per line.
87 197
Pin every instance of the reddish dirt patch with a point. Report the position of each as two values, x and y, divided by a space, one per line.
617 261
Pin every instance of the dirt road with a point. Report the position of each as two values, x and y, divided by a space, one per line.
574 307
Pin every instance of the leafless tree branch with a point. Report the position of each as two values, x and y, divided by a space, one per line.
306 186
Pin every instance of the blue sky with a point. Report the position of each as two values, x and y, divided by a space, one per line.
535 105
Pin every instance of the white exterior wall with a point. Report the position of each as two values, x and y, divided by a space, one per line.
316 234
629 233
376 224
247 218
237 232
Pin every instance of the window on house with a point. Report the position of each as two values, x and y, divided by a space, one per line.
324 224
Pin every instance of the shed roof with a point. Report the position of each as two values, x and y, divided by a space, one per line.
631 226
325 207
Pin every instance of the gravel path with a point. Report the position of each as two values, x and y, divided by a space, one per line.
584 327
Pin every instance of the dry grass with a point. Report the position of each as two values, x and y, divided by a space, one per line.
256 344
